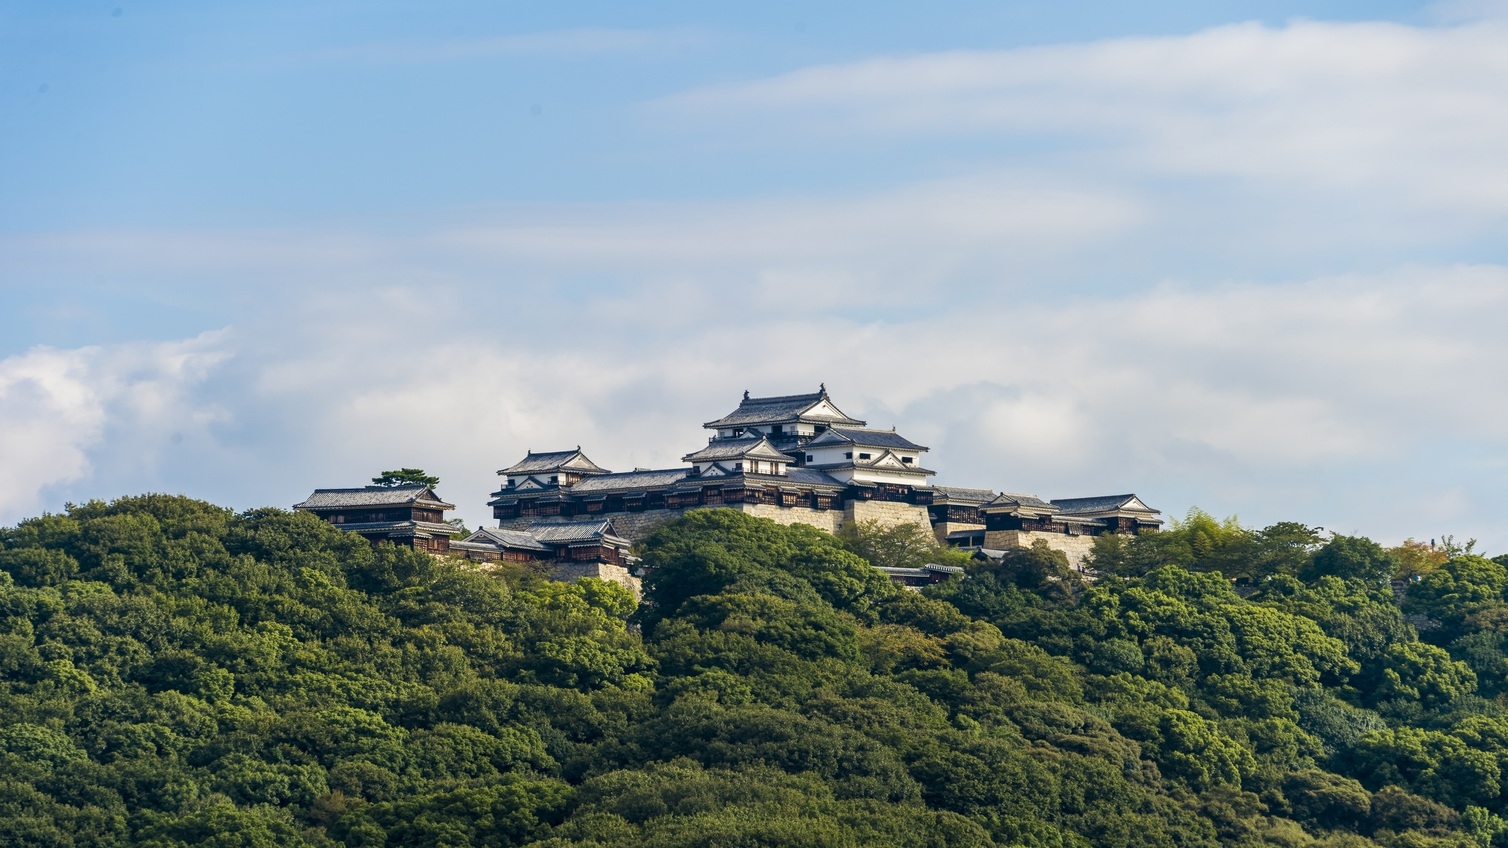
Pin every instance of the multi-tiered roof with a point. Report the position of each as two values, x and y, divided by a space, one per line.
801 451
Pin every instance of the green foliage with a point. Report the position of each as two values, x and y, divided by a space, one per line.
1351 558
405 477
174 674
903 545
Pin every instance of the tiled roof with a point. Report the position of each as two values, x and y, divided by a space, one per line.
754 448
864 437
1104 503
955 494
398 528
1009 499
571 460
873 465
515 539
565 532
774 410
631 480
812 477
372 496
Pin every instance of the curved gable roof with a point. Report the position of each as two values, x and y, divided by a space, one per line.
723 449
373 496
864 437
537 463
783 409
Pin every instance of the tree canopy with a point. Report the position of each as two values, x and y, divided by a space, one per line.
179 674
405 477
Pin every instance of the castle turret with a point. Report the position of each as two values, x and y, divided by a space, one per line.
788 421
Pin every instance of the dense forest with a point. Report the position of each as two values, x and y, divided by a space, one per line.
176 674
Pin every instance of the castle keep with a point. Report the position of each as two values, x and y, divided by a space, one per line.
798 459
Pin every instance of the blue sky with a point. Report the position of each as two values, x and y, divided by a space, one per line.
1243 256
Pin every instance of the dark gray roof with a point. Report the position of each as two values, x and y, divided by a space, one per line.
775 410
398 528
515 539
1031 502
565 532
631 480
811 477
871 465
1105 504
324 499
570 460
864 437
956 494
925 571
756 448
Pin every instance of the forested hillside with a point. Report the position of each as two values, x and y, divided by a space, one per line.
176 674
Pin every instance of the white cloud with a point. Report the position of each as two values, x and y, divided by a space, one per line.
1421 112
1277 401
58 406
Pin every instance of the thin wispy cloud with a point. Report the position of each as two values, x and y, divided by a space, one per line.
556 44
1349 106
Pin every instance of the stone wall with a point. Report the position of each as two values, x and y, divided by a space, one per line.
887 512
943 528
636 526
830 520
633 526
1076 547
573 571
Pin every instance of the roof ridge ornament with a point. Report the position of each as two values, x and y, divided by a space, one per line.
746 394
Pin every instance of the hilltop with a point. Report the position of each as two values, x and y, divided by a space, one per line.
179 674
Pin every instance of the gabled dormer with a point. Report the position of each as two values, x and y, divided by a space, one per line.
1127 513
786 420
550 469
1015 505
747 455
866 456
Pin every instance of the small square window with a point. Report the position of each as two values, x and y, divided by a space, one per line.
906 459
863 456
810 458
848 455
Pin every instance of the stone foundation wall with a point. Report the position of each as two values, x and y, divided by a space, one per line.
830 520
943 528
1076 547
887 512
570 572
633 526
636 526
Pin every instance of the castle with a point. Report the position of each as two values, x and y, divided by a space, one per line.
800 459
795 459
